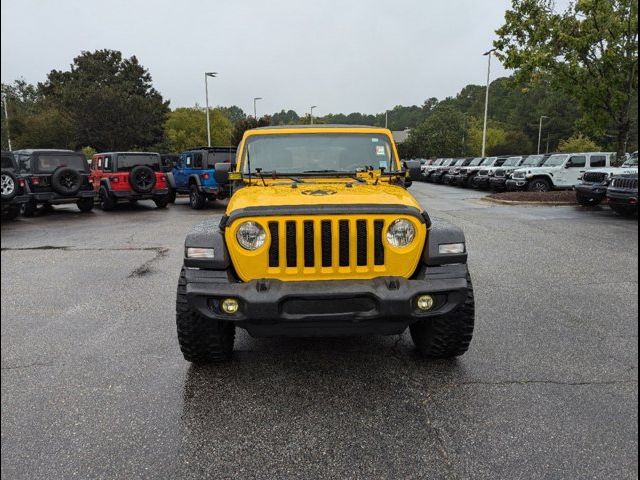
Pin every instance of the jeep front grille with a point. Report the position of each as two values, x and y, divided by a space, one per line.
626 183
318 235
518 175
501 173
595 177
483 173
311 247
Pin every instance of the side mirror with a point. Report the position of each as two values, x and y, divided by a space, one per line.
413 167
221 174
569 164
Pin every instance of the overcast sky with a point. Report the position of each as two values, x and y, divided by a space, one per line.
344 56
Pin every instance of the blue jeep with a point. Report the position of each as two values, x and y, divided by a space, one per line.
194 174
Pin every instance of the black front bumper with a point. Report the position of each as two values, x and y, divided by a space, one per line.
516 185
56 198
133 195
622 197
592 190
481 182
385 305
498 183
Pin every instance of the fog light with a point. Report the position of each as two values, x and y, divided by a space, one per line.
230 305
426 302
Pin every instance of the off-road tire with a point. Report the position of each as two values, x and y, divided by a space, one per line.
161 202
624 211
66 181
587 201
539 185
107 202
201 340
448 335
197 199
9 185
85 205
142 179
30 208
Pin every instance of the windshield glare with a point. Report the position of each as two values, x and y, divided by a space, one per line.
488 161
127 162
459 163
632 162
317 153
475 162
511 162
555 160
532 160
51 161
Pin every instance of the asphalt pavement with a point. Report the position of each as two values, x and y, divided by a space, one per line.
94 385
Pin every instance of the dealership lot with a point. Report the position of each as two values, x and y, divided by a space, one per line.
94 385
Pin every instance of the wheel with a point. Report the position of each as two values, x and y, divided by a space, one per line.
8 185
172 195
539 185
107 202
197 200
85 205
448 335
587 201
161 202
201 340
30 208
142 179
12 212
66 181
624 211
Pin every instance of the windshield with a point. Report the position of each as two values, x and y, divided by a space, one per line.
130 160
317 153
459 163
555 160
512 162
48 162
475 162
7 161
488 161
632 162
532 160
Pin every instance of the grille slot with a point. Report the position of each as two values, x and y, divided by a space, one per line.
343 256
361 229
325 227
501 173
292 247
628 183
378 247
309 251
274 253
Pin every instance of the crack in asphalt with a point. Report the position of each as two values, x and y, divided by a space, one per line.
146 267
83 249
546 382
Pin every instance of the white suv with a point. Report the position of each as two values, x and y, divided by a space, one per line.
561 171
592 189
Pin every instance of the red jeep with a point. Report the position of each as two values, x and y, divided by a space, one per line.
129 176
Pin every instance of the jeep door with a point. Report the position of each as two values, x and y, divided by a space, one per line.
180 174
568 176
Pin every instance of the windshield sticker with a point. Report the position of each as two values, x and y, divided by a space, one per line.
375 140
382 164
380 151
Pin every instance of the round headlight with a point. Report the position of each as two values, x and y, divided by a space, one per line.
401 233
251 236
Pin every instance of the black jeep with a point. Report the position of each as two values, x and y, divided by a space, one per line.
55 177
14 194
623 195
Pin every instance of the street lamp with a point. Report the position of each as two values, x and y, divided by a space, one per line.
206 94
540 132
255 112
311 113
486 101
6 117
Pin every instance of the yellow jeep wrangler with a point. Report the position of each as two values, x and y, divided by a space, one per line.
322 238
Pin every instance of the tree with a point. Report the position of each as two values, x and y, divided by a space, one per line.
442 134
110 100
578 143
590 52
187 128
233 113
247 124
495 136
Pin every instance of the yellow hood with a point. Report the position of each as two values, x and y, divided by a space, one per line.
334 192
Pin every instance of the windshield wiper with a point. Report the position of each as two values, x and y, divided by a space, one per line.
275 175
322 171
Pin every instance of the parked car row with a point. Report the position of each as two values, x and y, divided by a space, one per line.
33 178
590 174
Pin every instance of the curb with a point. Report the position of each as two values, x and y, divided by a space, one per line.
527 203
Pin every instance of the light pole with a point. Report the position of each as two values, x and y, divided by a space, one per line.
255 111
311 113
6 118
486 101
206 95
386 119
540 132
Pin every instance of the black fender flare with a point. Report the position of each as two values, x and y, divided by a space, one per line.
193 178
441 233
207 235
171 179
